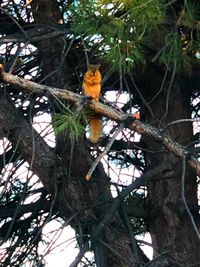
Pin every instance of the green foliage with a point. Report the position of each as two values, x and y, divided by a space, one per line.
69 123
119 29
174 54
190 13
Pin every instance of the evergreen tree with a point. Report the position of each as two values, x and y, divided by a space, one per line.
149 55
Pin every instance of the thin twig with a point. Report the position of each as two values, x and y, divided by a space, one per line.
161 87
184 199
85 51
133 241
17 54
107 148
32 36
168 93
142 97
80 255
15 21
179 121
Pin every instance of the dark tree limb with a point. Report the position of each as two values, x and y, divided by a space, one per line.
34 35
110 214
30 145
6 211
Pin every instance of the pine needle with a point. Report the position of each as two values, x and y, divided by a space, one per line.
69 124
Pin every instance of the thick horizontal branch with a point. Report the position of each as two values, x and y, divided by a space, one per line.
106 111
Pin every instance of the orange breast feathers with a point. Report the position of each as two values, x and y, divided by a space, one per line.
92 82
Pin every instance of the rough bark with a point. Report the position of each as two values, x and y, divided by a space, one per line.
171 228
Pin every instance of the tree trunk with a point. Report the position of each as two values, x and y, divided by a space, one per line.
171 227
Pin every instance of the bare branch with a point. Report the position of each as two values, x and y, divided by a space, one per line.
184 199
180 121
33 35
80 255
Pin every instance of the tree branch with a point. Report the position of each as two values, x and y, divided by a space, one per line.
129 120
34 35
41 158
59 93
111 212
